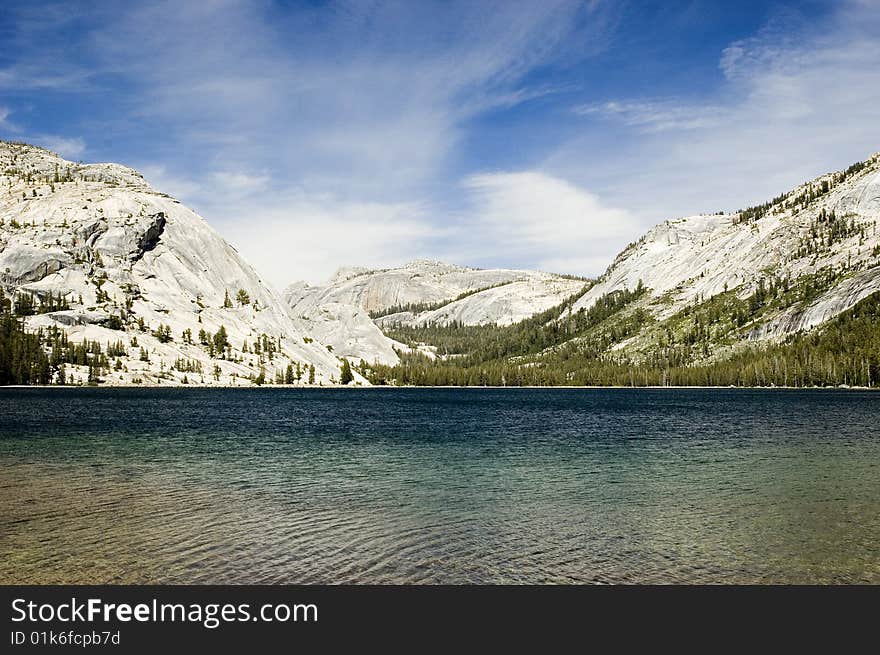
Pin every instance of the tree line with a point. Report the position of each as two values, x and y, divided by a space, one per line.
844 351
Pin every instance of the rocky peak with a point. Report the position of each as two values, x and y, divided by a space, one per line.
127 260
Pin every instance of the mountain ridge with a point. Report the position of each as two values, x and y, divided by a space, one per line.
93 251
691 292
132 265
420 291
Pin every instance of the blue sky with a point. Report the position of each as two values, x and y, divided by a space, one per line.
522 134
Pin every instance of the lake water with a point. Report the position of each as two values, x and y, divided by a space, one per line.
439 486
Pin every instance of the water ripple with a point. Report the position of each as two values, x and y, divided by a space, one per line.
439 486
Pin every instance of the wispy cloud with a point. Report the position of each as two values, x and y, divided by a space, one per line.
180 187
357 132
541 221
295 235
5 123
46 59
341 135
68 147
239 182
795 100
22 78
369 99
657 115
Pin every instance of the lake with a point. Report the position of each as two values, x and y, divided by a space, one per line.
439 486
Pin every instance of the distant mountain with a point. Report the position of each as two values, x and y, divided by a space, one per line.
350 311
707 299
96 253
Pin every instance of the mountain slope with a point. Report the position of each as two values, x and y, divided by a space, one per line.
828 223
123 262
350 311
692 293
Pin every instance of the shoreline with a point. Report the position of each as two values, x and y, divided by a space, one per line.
389 386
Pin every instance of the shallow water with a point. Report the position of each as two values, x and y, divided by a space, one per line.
439 485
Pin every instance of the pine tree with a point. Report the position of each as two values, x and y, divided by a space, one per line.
346 375
221 340
163 333
227 303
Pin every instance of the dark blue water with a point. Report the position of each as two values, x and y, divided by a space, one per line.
445 485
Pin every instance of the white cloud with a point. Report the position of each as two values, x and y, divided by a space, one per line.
512 219
657 115
4 119
32 77
317 152
67 147
533 219
12 128
295 234
795 101
160 179
342 145
369 99
299 238
239 182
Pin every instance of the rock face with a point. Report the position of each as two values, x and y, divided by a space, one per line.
123 255
109 259
828 224
816 246
348 329
350 309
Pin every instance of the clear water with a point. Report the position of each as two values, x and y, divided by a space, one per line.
445 485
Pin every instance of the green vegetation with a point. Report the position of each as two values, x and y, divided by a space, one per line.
536 351
39 357
801 201
23 359
346 376
826 230
695 332
28 303
292 374
163 333
188 365
217 344
675 352
483 343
